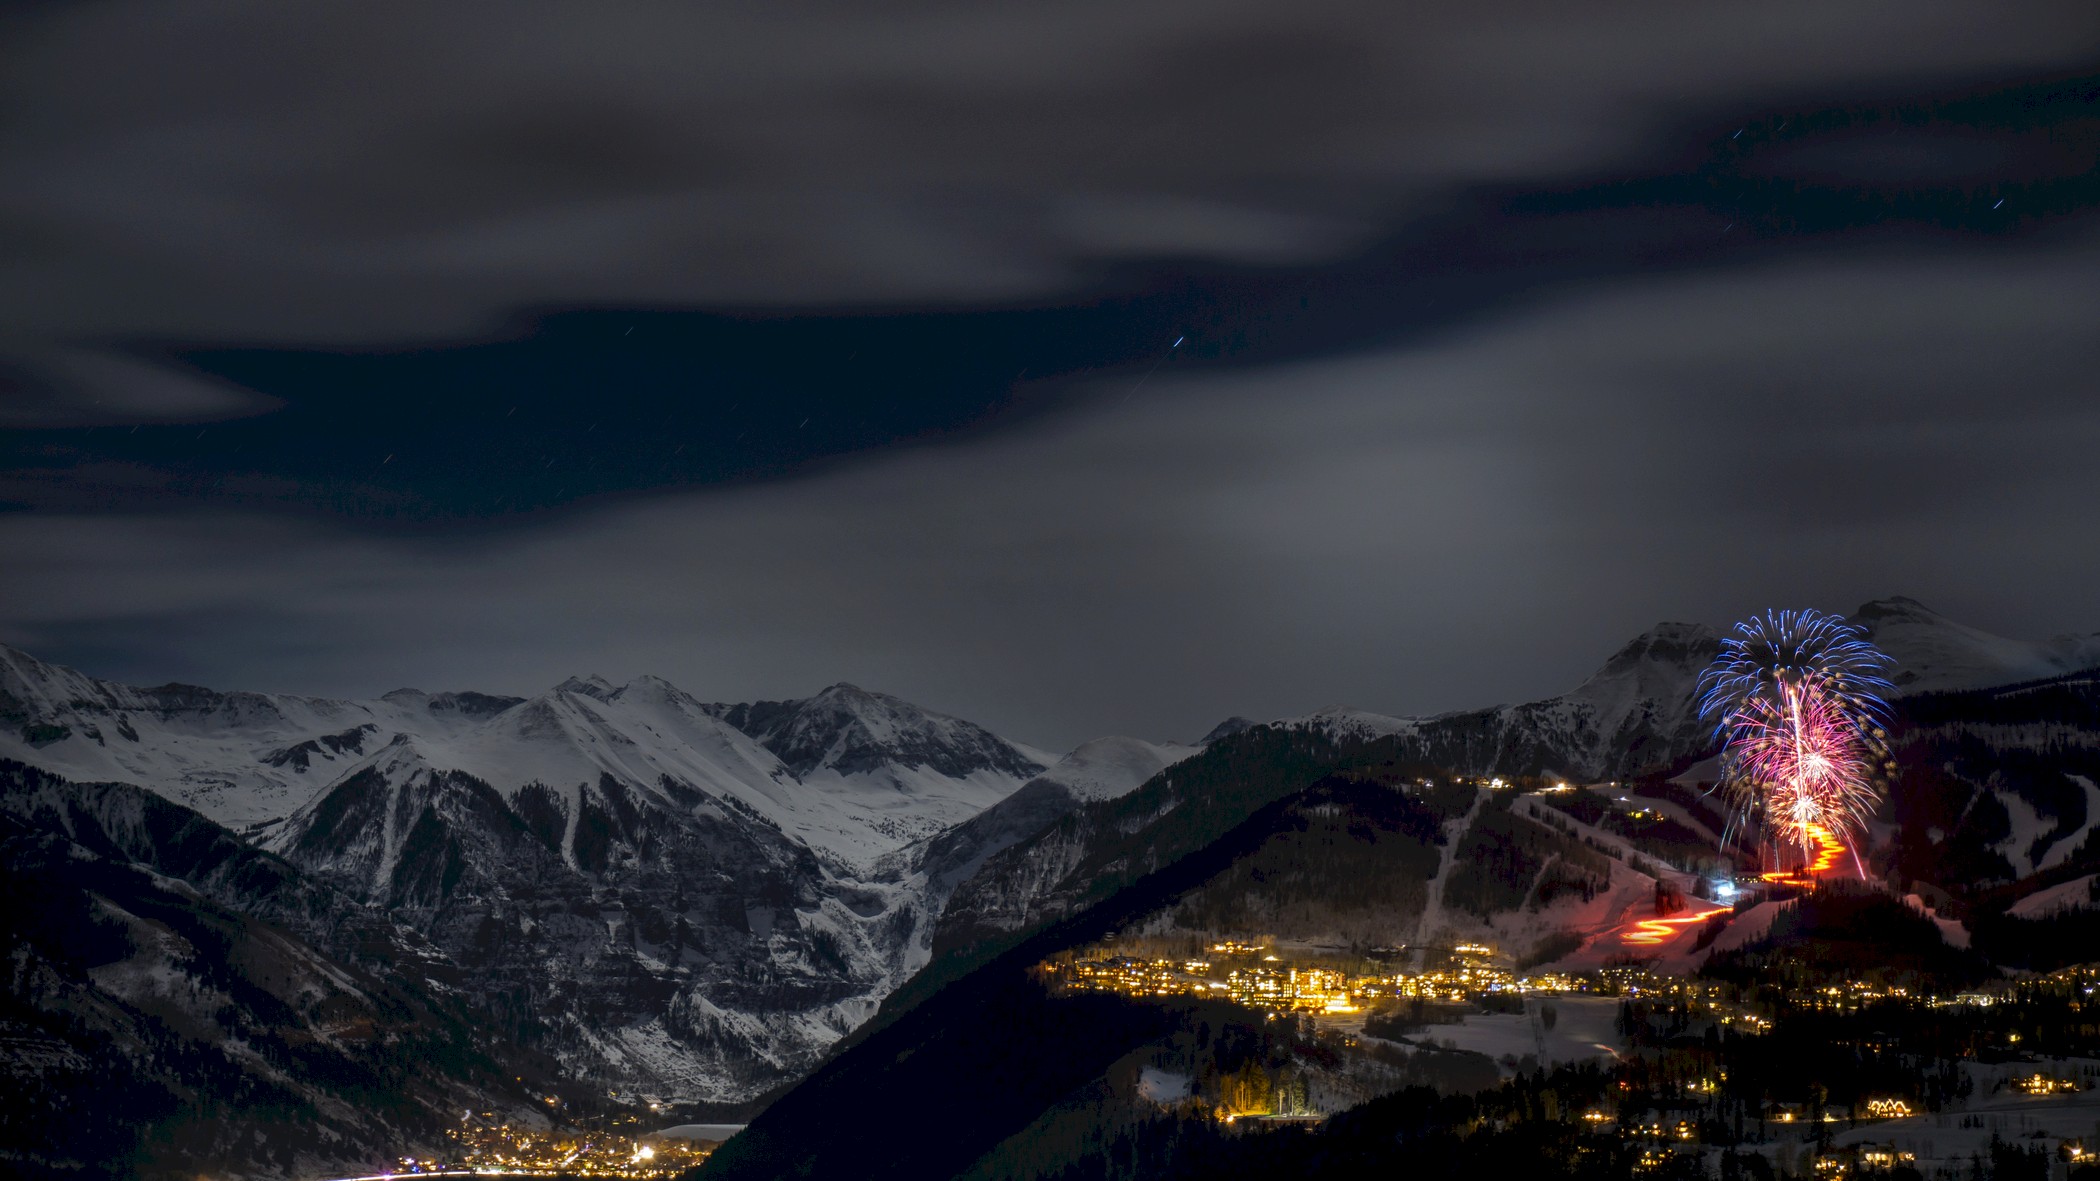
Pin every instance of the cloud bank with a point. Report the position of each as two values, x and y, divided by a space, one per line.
1479 519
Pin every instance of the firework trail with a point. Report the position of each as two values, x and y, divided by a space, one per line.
1797 697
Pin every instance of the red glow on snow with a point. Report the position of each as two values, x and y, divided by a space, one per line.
1657 931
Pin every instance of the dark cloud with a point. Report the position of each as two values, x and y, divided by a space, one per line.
571 405
1481 518
374 172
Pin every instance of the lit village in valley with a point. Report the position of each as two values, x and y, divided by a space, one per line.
1682 1070
485 1144
1744 1065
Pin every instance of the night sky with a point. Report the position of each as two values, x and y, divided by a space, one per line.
1077 368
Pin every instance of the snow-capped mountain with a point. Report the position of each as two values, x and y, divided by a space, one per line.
1109 767
239 758
902 771
697 899
850 772
619 875
657 934
850 731
1640 710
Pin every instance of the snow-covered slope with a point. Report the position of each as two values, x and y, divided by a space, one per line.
239 758
1349 724
1934 653
683 908
649 730
2076 894
183 1004
660 937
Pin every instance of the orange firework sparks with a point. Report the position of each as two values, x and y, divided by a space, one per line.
1828 850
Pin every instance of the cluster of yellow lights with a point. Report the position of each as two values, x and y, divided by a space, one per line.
2043 1084
1264 979
1279 986
1655 1129
1888 1108
498 1147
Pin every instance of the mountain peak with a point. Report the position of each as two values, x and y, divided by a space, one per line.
593 686
1675 647
1934 653
1895 607
848 729
847 691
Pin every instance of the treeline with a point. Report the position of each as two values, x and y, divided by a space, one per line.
1842 931
1352 856
2072 700
1502 865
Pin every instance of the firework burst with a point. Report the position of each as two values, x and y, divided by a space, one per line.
1796 695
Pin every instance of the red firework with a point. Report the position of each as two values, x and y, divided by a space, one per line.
1805 761
1797 698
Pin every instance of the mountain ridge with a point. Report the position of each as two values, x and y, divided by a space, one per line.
880 772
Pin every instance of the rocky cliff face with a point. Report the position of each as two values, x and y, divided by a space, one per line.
657 935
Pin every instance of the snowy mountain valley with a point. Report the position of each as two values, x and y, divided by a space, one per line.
698 903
